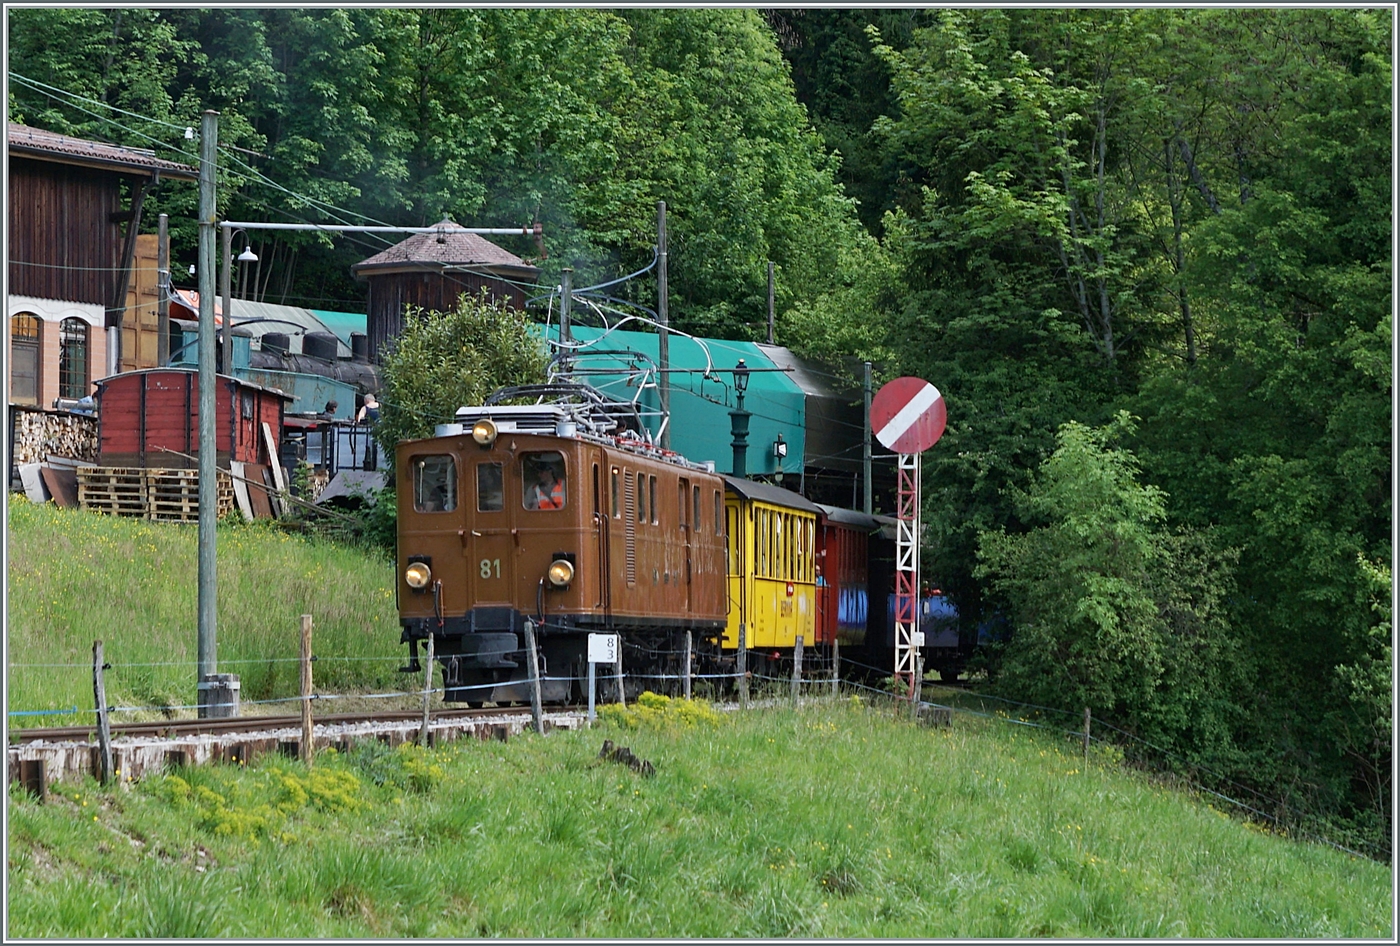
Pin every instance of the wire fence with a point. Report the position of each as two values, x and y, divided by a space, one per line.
818 668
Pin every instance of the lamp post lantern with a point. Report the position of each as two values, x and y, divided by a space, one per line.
739 420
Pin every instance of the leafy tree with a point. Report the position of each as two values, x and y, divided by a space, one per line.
1112 610
445 360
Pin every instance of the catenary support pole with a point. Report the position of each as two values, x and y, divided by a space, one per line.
663 336
208 478
771 313
226 286
308 731
163 289
566 331
865 447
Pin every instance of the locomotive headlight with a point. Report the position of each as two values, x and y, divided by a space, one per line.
561 572
418 575
484 431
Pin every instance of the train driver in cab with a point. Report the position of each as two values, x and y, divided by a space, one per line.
547 492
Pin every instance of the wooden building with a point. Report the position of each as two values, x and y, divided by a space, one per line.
73 249
430 271
141 412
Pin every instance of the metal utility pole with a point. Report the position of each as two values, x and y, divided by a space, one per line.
566 332
663 310
770 302
163 290
865 446
208 482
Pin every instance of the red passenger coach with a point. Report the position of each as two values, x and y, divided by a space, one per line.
853 553
143 414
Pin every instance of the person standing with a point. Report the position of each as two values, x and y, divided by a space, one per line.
369 412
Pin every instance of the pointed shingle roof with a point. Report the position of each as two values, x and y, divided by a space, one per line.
450 246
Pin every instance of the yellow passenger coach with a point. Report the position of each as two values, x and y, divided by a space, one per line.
771 565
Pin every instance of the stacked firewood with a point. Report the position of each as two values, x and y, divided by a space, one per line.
42 434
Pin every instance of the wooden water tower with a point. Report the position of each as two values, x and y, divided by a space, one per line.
430 270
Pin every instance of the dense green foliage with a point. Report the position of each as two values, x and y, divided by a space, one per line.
577 119
836 821
1113 611
1184 214
444 360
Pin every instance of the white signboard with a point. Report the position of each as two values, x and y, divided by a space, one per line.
918 638
602 648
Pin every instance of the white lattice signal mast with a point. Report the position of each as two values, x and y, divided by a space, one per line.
908 416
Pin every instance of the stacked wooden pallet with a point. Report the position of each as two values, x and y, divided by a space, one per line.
174 494
117 491
167 495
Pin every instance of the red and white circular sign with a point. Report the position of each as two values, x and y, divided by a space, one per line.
908 415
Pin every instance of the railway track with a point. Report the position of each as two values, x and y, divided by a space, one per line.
38 757
179 728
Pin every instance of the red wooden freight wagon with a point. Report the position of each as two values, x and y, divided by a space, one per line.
141 412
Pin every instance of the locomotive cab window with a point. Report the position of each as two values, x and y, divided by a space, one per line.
543 476
434 484
616 493
490 487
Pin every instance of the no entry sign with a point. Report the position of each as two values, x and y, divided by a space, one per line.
908 415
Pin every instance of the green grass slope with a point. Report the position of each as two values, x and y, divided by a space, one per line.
77 576
834 820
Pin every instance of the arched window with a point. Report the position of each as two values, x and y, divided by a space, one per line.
73 358
24 358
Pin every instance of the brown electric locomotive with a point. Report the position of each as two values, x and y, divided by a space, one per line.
561 513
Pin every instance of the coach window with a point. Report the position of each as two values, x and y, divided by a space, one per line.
719 513
641 498
695 506
766 541
731 547
434 484
616 493
651 492
490 487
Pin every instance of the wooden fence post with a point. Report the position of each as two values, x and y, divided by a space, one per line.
742 657
617 669
427 694
796 669
688 645
307 730
918 691
835 668
532 656
1086 735
104 729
